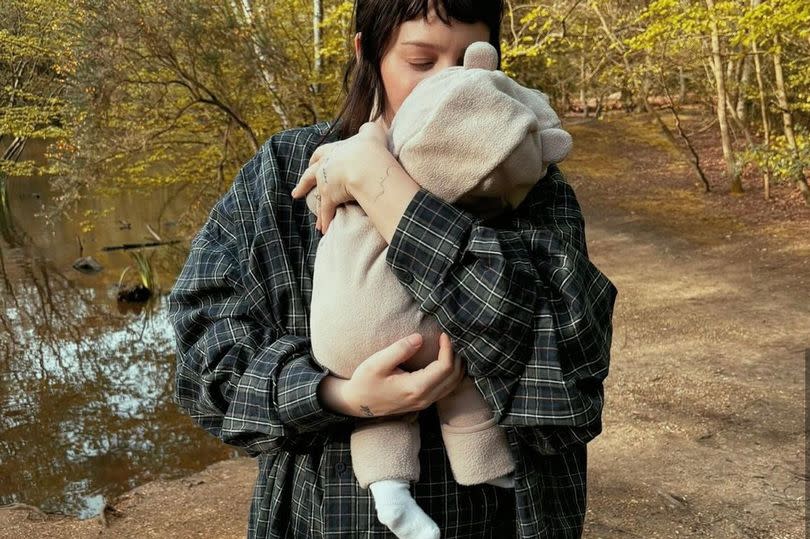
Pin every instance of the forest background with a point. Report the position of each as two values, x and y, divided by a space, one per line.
150 92
122 122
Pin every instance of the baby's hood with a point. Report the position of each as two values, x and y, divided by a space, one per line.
471 131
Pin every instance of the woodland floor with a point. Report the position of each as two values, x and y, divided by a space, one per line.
704 429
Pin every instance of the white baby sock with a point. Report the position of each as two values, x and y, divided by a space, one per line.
400 512
504 481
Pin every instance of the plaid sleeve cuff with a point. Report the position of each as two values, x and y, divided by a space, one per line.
426 242
556 440
298 402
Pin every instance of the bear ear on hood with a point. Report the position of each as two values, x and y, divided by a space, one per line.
557 144
481 55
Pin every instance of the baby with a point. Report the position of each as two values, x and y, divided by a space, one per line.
473 137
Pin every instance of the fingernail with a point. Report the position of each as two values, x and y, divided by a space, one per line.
414 339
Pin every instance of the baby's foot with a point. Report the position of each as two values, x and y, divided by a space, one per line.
400 512
504 481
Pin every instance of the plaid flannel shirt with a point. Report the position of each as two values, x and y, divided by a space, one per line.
522 303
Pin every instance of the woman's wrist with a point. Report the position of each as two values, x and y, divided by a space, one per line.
383 189
375 156
332 394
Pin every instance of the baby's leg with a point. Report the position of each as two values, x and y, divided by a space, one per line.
385 458
476 446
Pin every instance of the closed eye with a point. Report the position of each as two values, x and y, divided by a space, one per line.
423 66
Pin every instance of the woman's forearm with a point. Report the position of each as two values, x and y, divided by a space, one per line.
383 191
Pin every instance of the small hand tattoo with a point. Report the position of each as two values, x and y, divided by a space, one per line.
366 410
382 179
323 168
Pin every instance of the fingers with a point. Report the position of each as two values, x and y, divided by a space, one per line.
319 215
318 153
459 370
458 375
306 182
446 359
313 201
440 377
447 379
328 213
390 357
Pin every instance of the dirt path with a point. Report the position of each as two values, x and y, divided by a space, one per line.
704 423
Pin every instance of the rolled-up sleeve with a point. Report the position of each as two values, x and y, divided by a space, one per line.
239 375
522 303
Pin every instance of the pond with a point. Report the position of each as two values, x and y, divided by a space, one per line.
86 382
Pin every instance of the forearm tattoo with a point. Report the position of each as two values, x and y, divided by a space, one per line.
366 410
382 180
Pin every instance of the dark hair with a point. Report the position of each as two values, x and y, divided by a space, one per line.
377 20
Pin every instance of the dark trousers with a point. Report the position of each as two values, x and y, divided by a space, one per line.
505 518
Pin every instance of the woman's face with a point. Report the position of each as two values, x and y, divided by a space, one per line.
406 62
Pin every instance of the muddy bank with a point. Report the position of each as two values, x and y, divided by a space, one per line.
211 503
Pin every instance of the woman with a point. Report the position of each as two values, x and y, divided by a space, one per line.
527 313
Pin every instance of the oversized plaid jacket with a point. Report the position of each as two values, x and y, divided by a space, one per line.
524 306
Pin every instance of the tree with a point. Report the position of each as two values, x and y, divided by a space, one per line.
186 92
35 65
782 28
713 16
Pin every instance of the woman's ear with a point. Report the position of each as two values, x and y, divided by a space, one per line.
357 45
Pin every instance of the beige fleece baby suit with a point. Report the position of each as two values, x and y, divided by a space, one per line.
474 137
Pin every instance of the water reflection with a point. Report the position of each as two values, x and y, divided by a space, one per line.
85 385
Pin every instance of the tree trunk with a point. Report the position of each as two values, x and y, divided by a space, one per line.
317 19
722 115
643 89
692 156
744 80
741 125
766 123
14 149
243 10
564 99
583 98
763 107
787 117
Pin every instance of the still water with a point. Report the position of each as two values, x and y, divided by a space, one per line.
86 383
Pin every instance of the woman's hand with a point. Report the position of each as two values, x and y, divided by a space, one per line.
333 168
379 387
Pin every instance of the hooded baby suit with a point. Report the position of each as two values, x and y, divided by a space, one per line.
474 137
